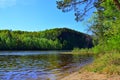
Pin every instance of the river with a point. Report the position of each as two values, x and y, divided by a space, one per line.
39 65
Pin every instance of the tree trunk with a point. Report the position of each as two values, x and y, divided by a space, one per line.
117 3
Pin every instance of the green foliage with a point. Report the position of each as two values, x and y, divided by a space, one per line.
53 39
106 28
105 25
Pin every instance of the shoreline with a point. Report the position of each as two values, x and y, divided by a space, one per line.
90 76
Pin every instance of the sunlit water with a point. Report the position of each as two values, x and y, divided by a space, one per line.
38 65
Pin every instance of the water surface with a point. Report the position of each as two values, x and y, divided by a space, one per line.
38 65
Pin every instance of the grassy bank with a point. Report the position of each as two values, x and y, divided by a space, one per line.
106 63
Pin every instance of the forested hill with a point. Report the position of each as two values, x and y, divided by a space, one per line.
53 39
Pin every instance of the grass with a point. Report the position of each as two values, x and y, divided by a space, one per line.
107 64
85 52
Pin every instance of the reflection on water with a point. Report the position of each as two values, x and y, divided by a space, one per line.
35 65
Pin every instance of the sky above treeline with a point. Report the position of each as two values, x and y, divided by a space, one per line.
36 15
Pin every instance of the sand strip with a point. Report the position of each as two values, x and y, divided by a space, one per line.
90 76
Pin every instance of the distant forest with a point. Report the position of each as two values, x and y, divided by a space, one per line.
53 39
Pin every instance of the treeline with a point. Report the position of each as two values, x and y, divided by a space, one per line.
53 39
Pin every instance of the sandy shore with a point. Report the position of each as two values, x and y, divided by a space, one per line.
90 76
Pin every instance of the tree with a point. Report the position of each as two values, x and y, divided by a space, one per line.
117 3
81 7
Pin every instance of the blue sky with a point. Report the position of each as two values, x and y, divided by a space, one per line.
35 15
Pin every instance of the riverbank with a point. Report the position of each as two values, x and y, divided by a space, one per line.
104 67
90 76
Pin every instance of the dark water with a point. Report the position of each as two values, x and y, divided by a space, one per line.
38 65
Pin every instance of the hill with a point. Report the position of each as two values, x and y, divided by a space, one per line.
53 39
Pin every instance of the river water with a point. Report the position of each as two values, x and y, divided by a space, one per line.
38 65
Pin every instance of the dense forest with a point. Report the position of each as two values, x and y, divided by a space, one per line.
53 39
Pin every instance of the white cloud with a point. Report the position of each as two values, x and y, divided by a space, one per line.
10 3
7 3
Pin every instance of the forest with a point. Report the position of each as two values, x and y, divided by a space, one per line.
53 39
